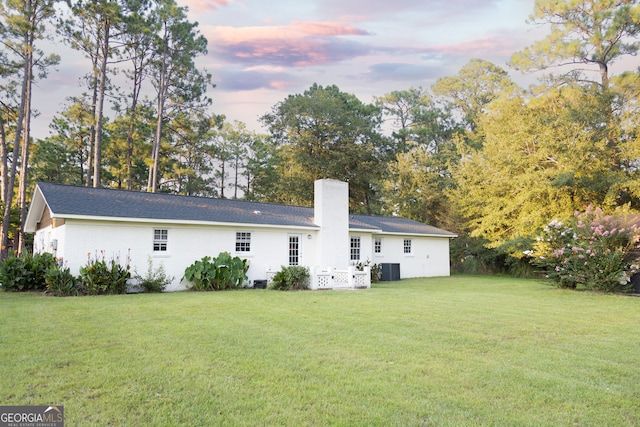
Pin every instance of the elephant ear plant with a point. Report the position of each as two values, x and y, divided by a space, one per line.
215 274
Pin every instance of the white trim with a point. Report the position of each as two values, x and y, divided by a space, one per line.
180 222
248 253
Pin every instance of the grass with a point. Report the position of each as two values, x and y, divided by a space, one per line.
464 350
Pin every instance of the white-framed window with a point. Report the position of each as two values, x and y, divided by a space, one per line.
407 246
160 239
243 241
294 249
355 248
377 245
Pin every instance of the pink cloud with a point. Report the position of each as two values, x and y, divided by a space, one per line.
327 28
206 4
490 45
299 44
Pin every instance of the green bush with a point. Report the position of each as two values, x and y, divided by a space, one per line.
100 277
375 269
291 278
61 283
25 272
589 250
215 274
156 280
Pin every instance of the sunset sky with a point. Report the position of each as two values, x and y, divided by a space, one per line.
261 51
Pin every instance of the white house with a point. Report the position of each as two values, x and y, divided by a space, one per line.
75 222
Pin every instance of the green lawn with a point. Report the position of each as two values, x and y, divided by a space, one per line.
452 351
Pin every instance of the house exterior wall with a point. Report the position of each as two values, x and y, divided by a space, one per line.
429 256
76 240
79 239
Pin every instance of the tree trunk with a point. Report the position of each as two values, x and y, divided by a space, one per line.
235 190
155 154
92 133
162 93
97 149
604 75
24 158
4 233
4 163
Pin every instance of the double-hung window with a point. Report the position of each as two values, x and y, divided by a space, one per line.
407 246
243 241
294 250
160 239
355 249
377 245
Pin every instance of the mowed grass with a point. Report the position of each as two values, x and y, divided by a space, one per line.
463 350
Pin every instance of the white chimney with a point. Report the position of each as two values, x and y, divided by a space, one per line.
331 214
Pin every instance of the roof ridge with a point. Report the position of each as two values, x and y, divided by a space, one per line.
168 194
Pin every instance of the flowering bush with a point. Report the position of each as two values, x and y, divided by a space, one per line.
590 250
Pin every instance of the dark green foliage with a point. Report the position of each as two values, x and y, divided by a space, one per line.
156 280
100 277
61 283
470 255
292 278
25 272
215 274
327 133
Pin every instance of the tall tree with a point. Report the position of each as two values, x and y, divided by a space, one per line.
178 83
230 150
93 28
418 177
128 145
475 86
404 108
189 165
583 32
260 171
140 21
326 133
72 129
542 158
23 24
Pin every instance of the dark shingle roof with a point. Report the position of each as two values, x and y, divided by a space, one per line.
394 224
72 201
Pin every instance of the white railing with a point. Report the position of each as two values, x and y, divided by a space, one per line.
331 278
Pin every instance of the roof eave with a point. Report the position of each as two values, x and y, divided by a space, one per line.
179 221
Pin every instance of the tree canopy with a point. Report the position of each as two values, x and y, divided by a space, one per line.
474 152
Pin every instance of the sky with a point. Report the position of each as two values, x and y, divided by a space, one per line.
261 51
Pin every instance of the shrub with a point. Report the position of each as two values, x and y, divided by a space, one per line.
215 274
589 250
100 278
375 269
156 280
292 278
61 283
25 272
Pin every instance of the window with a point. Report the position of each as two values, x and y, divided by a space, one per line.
355 249
294 250
377 245
407 246
243 241
160 239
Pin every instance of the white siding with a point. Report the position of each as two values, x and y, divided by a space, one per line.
429 257
186 244
79 239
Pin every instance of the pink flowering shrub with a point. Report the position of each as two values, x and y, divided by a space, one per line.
590 250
